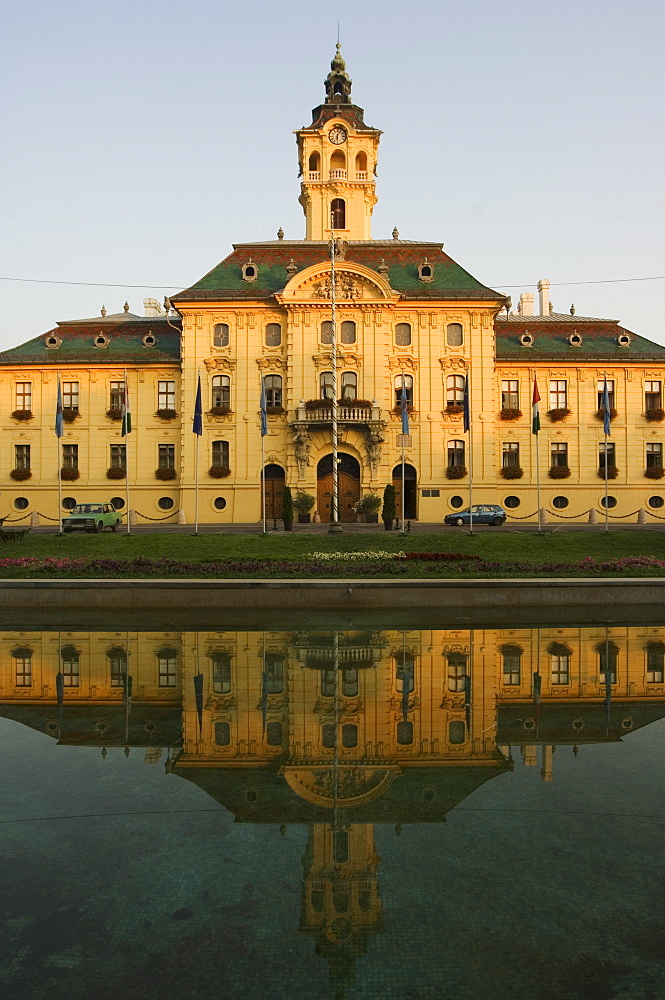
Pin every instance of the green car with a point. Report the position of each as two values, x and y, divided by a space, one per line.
91 517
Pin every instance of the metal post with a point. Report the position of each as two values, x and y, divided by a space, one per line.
126 391
196 485
540 527
334 527
468 392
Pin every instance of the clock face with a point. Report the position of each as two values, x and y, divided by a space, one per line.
337 135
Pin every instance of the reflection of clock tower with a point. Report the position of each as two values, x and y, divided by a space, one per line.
338 156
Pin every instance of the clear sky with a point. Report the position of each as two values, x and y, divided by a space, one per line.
141 139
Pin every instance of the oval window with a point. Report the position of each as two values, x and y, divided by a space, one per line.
68 503
656 502
611 502
219 503
21 503
118 503
165 503
560 502
456 502
512 502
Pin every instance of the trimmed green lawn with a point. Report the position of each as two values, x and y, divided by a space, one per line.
496 547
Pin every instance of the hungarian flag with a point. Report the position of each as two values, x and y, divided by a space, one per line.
126 411
535 419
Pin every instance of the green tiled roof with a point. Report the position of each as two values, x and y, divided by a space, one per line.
550 340
225 281
125 344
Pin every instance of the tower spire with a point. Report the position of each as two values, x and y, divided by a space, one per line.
338 81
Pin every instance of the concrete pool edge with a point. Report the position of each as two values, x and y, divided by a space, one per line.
327 594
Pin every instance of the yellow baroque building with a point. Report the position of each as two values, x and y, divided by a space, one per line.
407 315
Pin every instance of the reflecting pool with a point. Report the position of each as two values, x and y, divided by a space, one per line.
335 813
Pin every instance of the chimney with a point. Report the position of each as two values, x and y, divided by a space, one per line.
526 304
544 293
152 307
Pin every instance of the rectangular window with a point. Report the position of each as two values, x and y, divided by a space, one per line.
23 671
654 455
560 666
70 396
327 683
512 668
510 394
349 385
70 456
558 454
652 396
610 392
611 458
349 682
274 669
167 670
558 394
431 493
118 456
24 395
22 456
456 672
221 673
221 391
167 456
166 395
70 669
455 454
117 395
220 454
118 662
273 385
655 666
511 455
607 662
405 671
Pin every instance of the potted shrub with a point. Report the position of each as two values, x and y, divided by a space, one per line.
287 508
20 474
454 408
368 508
114 413
318 404
69 475
219 471
116 473
654 472
303 503
274 411
165 474
612 472
512 472
22 415
510 413
217 411
456 471
655 414
560 413
166 414
69 415
389 507
559 472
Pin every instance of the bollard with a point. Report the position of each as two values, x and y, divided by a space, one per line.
132 518
34 519
182 517
641 516
543 516
592 517
317 518
408 527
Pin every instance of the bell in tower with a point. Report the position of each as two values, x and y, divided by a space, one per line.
338 81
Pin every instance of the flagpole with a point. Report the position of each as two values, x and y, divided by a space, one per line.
58 435
334 527
404 402
468 397
403 528
535 430
540 527
196 493
606 419
263 469
126 435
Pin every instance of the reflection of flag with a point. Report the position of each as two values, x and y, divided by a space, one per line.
537 685
60 693
126 411
264 409
198 695
467 702
197 425
467 411
405 407
535 418
59 429
264 695
607 425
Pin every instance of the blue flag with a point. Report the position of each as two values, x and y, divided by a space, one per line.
59 429
264 409
197 426
607 424
467 413
404 403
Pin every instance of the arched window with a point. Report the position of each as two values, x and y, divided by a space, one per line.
454 335
221 673
274 734
221 391
361 166
338 210
456 454
314 166
338 166
326 385
274 669
221 335
408 386
403 334
222 734
349 385
23 666
349 682
70 667
348 332
455 389
328 735
404 734
326 332
341 852
273 335
456 732
349 736
456 671
273 386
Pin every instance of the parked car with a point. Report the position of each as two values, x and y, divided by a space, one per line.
91 517
483 513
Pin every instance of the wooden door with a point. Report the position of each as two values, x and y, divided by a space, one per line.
273 485
348 485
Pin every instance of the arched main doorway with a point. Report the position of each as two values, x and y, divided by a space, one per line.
273 485
410 491
348 483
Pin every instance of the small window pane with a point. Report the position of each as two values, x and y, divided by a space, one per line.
274 734
404 734
166 395
349 736
454 335
326 332
222 734
221 335
348 332
221 673
403 334
273 335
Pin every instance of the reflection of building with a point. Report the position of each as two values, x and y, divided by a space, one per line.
339 732
409 319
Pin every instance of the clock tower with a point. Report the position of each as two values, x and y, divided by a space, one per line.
338 155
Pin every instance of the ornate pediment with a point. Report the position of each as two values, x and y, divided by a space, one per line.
219 364
271 364
402 363
453 364
354 284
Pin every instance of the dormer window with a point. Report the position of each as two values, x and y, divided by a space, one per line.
52 341
250 271
149 340
101 341
623 340
425 271
575 340
526 340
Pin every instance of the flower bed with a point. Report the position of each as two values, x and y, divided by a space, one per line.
512 472
657 415
509 413
19 475
165 474
114 473
558 414
456 472
22 415
166 414
219 471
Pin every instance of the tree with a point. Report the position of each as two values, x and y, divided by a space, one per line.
287 508
389 507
